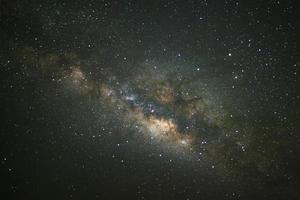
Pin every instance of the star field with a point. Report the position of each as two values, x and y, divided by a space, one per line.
149 99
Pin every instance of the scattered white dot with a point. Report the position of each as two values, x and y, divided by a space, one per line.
183 142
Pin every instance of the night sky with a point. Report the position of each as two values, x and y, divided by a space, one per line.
181 99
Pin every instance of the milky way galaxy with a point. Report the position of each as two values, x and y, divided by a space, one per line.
179 99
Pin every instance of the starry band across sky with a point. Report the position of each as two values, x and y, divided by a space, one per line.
149 99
